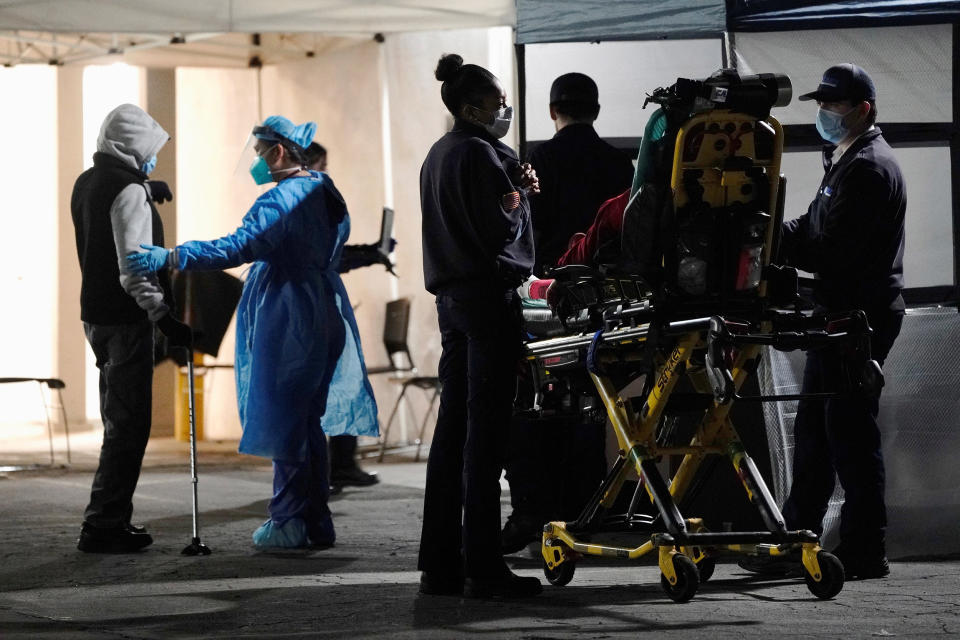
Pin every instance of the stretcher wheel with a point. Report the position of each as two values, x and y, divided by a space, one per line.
688 579
561 575
706 567
831 580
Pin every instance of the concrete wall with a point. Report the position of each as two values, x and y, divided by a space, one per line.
30 243
161 102
418 119
216 109
70 342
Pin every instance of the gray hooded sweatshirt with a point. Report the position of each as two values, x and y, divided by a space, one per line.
129 134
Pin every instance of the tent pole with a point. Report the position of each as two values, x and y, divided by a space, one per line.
521 100
386 139
728 52
955 164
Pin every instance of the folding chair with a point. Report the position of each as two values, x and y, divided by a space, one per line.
403 372
54 384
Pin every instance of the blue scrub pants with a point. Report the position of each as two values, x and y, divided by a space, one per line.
480 334
840 438
301 489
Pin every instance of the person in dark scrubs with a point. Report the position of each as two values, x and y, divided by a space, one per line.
477 248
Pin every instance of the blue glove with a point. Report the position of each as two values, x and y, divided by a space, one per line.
149 261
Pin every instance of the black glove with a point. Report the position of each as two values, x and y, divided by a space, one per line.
159 191
384 259
178 334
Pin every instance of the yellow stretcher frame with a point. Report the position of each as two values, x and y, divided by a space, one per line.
685 551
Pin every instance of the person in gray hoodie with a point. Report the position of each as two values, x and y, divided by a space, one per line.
113 214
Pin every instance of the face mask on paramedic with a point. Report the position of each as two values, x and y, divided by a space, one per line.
830 125
260 171
501 121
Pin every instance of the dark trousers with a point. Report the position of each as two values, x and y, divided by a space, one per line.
840 438
124 355
554 466
480 334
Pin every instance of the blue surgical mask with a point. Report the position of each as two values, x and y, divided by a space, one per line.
830 125
149 165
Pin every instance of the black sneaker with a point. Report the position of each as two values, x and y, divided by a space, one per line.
124 539
354 477
440 584
863 565
509 585
518 532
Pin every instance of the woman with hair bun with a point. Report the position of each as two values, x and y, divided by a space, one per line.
477 248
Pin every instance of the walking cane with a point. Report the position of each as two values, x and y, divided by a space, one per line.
195 547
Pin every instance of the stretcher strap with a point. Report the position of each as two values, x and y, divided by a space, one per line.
593 360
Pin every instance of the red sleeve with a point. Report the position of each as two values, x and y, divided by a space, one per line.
604 230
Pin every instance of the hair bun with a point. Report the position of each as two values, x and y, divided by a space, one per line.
448 66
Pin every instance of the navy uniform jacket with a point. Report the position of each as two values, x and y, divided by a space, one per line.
476 222
578 172
852 235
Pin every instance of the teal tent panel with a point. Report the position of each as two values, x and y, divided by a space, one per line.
784 15
588 20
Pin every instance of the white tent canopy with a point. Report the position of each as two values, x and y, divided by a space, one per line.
252 16
216 32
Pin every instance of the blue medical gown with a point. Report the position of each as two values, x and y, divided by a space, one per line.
295 326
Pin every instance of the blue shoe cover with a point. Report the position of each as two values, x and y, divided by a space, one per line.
292 534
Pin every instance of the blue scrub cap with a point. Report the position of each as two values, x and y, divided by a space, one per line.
278 128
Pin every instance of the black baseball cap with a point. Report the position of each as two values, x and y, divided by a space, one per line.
576 88
843 82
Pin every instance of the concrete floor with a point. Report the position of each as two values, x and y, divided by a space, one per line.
366 586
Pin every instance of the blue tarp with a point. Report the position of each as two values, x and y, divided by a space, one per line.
781 15
588 20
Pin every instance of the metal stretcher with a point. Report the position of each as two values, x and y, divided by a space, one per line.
721 213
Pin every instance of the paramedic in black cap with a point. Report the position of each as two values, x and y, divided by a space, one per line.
578 171
852 238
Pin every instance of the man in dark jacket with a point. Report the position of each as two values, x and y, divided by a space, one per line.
113 214
852 238
578 171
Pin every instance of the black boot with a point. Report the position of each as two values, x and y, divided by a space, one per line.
508 585
864 563
344 471
123 539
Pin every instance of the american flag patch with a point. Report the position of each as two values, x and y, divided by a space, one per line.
510 201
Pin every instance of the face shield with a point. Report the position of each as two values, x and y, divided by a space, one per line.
259 143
